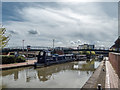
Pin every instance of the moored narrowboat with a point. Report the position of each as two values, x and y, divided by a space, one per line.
81 57
47 57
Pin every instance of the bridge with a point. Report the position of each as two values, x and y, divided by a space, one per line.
14 49
20 48
66 50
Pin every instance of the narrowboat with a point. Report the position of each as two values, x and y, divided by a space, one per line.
100 57
46 57
81 57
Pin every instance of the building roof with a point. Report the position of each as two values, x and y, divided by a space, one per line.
117 43
113 46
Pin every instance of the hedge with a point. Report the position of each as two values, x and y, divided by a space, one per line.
11 59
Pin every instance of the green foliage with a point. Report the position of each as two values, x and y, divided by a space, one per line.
87 52
83 52
3 38
8 59
11 59
92 52
20 59
80 52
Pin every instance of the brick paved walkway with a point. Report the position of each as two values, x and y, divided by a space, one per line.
111 76
98 77
28 62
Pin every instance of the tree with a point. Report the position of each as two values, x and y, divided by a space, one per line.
80 52
3 38
87 52
93 52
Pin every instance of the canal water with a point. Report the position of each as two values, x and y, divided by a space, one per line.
67 75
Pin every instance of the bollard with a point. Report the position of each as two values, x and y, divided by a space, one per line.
99 87
104 62
103 69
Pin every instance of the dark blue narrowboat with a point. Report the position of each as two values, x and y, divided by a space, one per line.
47 57
100 57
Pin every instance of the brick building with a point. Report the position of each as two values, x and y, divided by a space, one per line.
116 46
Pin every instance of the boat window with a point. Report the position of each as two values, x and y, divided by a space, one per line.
41 53
48 54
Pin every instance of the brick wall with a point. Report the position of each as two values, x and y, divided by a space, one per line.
114 59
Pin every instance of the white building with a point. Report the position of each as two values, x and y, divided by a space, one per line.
86 46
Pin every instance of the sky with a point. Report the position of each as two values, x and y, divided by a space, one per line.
69 23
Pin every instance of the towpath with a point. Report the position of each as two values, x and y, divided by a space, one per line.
15 65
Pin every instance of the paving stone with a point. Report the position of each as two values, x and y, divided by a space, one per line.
28 62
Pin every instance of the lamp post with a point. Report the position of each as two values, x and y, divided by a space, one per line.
53 43
53 46
23 45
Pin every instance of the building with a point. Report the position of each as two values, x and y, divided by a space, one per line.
86 46
116 46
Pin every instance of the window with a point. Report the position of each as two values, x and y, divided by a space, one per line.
48 54
41 53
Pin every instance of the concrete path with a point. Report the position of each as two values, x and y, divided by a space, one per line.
111 76
27 63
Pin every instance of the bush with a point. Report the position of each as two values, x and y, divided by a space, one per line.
80 52
20 59
87 52
11 59
8 59
83 52
93 52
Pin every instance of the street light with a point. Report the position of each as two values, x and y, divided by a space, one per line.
53 43
23 45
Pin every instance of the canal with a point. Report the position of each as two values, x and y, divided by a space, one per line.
67 75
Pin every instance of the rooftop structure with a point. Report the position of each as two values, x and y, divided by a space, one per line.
116 46
86 46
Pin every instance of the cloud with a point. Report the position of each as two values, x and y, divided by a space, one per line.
13 32
68 23
34 32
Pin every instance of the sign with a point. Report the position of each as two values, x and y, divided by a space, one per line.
28 47
16 54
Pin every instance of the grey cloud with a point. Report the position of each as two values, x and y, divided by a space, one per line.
90 37
33 32
13 32
68 23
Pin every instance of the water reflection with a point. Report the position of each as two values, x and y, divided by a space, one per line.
45 73
50 76
16 75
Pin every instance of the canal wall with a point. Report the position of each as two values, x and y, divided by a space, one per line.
114 59
98 77
17 65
